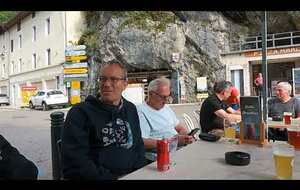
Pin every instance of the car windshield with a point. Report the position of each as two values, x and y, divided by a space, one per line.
54 92
3 95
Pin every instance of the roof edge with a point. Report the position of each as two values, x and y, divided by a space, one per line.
19 16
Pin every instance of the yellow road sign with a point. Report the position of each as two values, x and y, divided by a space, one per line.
76 58
75 71
75 85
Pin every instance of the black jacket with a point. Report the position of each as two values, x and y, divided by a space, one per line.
14 165
101 141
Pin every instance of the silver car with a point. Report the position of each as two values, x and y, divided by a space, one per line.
4 99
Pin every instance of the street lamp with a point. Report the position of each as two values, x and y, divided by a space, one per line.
175 59
264 68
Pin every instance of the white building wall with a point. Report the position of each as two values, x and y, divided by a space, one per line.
75 26
54 41
44 74
4 63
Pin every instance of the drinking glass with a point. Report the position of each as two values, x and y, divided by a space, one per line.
283 157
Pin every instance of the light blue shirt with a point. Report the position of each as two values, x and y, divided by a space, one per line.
163 121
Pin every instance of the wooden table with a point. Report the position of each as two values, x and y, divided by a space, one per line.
280 124
206 160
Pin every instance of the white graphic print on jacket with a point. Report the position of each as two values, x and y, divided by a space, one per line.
119 133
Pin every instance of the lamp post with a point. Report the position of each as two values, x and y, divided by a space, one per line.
264 67
176 59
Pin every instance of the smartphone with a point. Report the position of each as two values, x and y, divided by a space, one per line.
193 132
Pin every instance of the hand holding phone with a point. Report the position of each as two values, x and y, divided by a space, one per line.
193 132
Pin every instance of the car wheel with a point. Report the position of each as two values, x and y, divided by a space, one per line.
31 105
45 106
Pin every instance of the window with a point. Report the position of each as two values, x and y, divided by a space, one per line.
3 70
11 45
20 41
237 79
20 65
12 66
48 56
47 26
34 60
33 33
19 26
32 14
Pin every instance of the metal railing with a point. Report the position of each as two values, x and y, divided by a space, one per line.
286 39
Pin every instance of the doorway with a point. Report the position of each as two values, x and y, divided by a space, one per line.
276 72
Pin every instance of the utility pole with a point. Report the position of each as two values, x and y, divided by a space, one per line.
264 66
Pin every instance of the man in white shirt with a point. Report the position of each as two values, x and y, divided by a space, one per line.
157 120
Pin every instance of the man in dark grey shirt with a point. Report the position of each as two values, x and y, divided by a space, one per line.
283 103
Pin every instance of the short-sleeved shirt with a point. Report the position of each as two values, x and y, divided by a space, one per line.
276 107
208 119
159 123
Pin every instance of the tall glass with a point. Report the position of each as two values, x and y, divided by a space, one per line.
283 157
173 144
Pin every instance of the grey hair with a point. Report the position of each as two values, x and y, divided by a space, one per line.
222 85
156 83
114 62
286 85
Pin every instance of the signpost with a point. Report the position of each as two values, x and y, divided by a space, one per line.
75 70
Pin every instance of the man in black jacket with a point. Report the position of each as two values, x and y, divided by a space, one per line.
102 137
14 165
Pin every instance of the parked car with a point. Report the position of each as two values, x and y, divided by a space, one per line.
4 99
48 99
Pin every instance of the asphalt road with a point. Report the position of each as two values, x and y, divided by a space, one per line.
29 131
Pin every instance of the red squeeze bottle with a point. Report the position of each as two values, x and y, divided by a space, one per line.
163 160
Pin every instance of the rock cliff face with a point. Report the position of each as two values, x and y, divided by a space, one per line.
146 40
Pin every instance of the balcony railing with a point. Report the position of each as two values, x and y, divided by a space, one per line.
277 40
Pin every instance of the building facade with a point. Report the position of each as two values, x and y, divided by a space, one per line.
244 61
33 50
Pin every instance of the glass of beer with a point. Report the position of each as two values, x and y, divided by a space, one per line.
287 117
284 157
229 132
294 137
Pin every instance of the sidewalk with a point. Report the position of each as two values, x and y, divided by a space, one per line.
11 107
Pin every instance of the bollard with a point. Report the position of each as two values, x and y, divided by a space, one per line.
57 122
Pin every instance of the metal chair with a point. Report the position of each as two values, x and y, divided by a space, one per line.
188 121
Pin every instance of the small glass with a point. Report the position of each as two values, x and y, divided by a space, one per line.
287 117
230 132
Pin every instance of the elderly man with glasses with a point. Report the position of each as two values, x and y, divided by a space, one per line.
157 120
283 102
101 136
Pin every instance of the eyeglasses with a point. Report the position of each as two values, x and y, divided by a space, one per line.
165 98
112 79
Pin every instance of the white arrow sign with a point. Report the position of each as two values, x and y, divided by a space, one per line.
75 75
79 47
75 53
75 65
